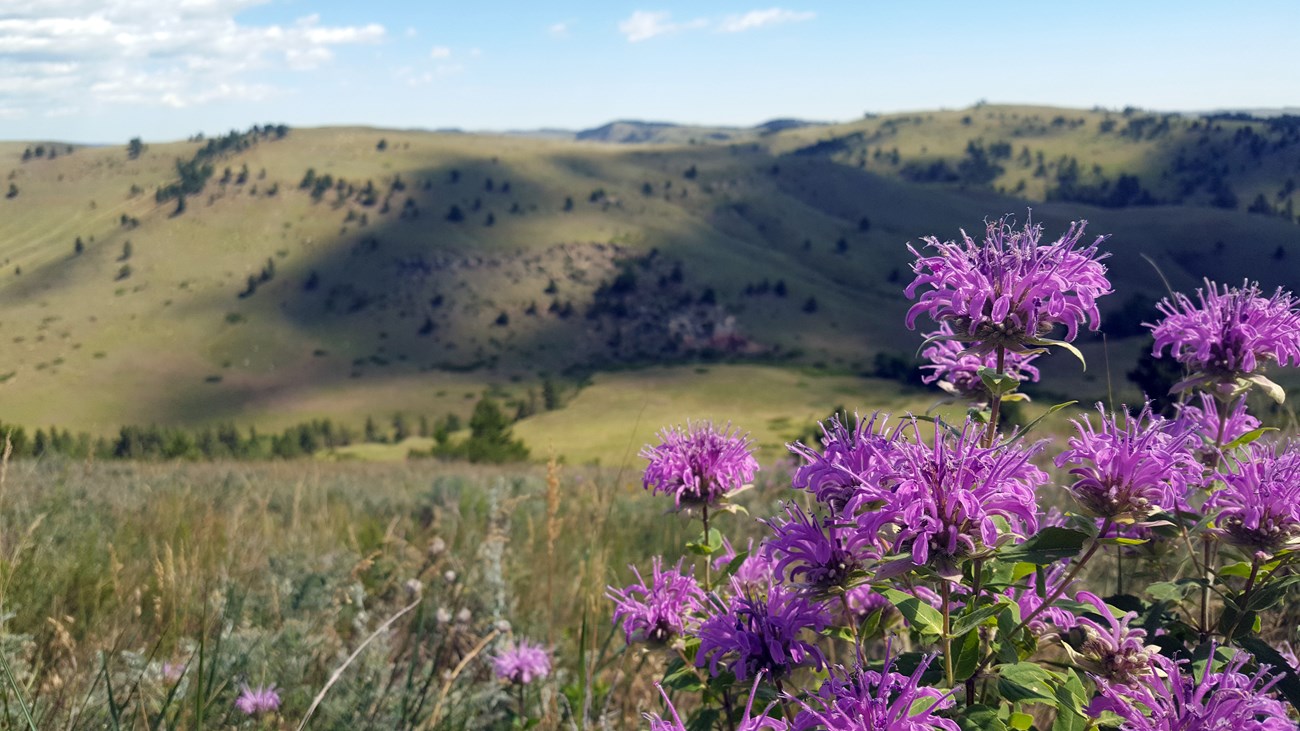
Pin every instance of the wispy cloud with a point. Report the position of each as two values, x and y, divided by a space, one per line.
440 52
762 18
560 29
643 25
74 52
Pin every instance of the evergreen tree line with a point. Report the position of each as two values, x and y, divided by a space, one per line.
489 440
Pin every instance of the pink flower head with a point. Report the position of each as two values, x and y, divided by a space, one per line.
1259 506
762 634
819 554
1129 467
1174 699
1205 424
522 663
1230 334
257 701
660 610
854 463
1011 290
1112 648
879 701
955 367
952 492
699 465
749 722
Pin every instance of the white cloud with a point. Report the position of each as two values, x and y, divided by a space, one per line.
68 53
559 30
643 25
440 52
761 18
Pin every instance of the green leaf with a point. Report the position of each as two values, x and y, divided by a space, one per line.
920 616
973 619
1050 545
1026 682
680 676
706 545
1274 391
1167 591
1020 433
998 384
1121 541
1061 344
967 657
981 718
1248 437
734 564
1020 721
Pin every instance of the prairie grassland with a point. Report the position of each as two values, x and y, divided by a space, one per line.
143 596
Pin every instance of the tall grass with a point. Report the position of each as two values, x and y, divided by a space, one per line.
144 595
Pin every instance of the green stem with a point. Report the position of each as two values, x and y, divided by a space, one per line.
708 560
947 634
995 406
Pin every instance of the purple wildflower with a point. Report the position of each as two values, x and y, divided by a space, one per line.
522 663
762 634
875 701
660 610
820 554
1010 291
1129 467
1174 700
1231 334
950 493
1111 649
864 600
1259 506
1028 600
853 468
259 700
1205 423
699 465
749 722
955 368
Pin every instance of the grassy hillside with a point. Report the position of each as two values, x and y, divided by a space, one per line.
428 267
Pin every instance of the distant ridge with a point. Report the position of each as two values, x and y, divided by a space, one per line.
631 131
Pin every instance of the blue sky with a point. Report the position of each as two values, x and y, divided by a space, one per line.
105 71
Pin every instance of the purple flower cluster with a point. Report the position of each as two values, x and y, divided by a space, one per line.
522 663
854 463
1208 425
879 701
1010 291
748 722
258 700
1232 332
817 555
762 634
1111 648
955 367
1173 699
658 611
951 495
1259 506
1129 467
699 465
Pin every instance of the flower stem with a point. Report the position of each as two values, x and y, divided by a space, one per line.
708 560
995 407
947 633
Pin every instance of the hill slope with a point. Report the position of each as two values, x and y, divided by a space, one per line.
347 271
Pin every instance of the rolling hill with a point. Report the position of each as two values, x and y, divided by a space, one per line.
276 275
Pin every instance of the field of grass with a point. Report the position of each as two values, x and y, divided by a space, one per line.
143 596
